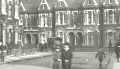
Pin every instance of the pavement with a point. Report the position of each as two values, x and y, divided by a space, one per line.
8 66
22 57
116 65
113 64
87 60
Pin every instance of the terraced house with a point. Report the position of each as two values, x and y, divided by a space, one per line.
9 19
83 23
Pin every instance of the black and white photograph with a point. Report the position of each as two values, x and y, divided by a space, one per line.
59 34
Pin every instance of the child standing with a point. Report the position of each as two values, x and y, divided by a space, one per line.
100 55
66 56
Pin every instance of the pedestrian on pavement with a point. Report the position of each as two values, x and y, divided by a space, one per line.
110 47
3 51
100 55
40 47
66 56
117 52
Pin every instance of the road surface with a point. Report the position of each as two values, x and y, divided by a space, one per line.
84 60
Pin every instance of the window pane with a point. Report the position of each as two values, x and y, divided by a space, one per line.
89 17
110 16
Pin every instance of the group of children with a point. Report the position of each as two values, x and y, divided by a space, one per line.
62 55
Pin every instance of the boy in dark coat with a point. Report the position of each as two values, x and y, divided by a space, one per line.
66 56
117 52
3 51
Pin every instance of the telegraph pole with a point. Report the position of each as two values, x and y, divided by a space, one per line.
53 22
1 31
101 22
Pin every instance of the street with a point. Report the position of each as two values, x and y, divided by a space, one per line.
81 60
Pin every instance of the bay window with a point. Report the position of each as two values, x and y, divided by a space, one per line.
43 20
62 17
109 17
90 17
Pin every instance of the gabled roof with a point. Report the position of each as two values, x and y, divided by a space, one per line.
31 4
22 8
90 3
61 4
44 5
34 4
111 2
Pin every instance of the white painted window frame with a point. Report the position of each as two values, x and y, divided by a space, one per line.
87 17
26 20
106 11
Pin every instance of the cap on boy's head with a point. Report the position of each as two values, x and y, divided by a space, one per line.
58 39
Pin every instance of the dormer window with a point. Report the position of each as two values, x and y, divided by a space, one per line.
61 4
111 2
44 5
90 3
